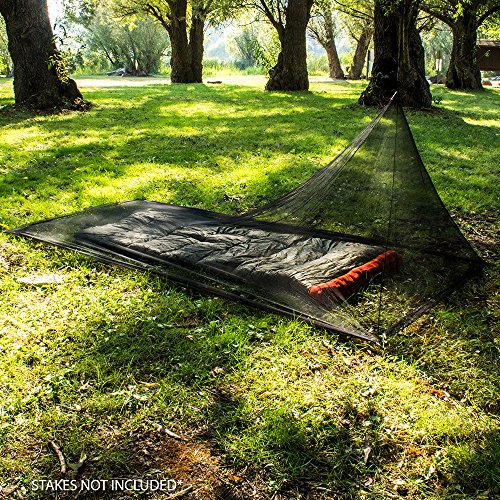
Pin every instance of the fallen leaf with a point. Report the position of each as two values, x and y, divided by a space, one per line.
367 450
438 393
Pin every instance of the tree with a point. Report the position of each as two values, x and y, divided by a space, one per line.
245 45
40 78
137 45
437 42
184 21
363 38
256 44
5 60
357 17
464 17
399 57
289 18
323 27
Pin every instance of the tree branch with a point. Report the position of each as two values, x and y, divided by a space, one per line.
265 8
438 15
487 14
155 12
314 33
351 11
59 454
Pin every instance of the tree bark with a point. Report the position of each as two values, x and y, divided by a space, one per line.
413 87
325 36
196 38
180 60
359 58
333 60
463 70
40 80
399 59
290 73
186 61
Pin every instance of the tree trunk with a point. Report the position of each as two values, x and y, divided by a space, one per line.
180 61
290 73
40 80
186 62
196 38
413 87
359 58
383 82
333 59
399 59
463 71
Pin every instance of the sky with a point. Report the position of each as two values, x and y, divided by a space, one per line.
55 9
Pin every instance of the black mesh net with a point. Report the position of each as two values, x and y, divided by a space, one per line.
363 247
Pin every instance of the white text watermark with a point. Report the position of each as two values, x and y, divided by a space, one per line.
95 485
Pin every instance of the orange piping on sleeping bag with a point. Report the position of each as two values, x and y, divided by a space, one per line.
348 284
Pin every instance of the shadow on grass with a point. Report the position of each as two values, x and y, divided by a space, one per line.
273 448
470 333
157 142
188 347
173 147
461 164
474 467
461 102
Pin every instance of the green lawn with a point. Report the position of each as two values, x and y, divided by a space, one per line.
96 361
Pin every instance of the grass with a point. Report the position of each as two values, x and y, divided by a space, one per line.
265 404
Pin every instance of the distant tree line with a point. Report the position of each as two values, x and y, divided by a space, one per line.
136 34
135 43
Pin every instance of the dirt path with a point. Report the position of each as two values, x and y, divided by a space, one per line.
117 81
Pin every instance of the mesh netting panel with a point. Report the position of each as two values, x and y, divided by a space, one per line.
363 247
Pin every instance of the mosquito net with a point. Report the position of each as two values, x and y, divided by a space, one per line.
363 247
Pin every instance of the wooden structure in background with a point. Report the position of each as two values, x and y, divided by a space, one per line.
488 55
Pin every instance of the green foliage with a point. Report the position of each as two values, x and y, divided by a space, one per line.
437 39
355 16
453 11
5 60
255 45
490 29
56 62
437 100
213 13
94 361
246 47
269 48
137 44
317 65
214 67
